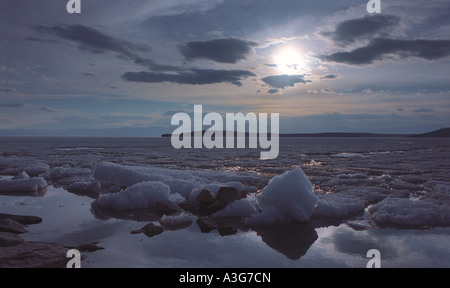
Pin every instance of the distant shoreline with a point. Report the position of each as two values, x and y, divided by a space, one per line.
442 133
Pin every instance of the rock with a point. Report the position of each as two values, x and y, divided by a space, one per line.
227 194
9 240
167 207
11 226
89 248
206 197
150 230
194 208
22 176
359 225
206 225
25 220
216 206
33 255
226 231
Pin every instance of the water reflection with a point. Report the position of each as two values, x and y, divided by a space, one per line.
73 220
293 240
138 215
37 193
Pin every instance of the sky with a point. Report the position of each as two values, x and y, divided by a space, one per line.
124 68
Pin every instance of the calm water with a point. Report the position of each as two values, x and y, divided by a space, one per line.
68 219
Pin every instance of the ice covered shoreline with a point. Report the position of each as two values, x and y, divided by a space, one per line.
287 198
399 188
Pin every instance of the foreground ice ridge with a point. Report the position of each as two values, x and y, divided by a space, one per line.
287 198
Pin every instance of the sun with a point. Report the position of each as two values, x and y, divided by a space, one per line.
290 62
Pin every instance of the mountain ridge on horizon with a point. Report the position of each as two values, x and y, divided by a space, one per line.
440 133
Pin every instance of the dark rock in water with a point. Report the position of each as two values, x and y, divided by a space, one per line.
150 230
9 240
206 225
226 231
359 225
33 255
25 220
216 206
194 208
227 194
206 197
89 248
167 207
137 231
11 226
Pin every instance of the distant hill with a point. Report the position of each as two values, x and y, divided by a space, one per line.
319 135
441 133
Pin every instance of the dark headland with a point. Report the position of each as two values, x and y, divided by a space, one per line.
442 133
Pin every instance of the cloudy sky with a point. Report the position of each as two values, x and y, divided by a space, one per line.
125 67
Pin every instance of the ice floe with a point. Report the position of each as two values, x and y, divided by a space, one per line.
406 213
30 186
139 196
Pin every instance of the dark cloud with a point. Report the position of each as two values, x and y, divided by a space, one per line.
381 47
400 109
6 90
93 40
271 65
218 50
89 74
331 76
152 65
273 91
424 110
13 105
97 42
191 77
368 27
284 81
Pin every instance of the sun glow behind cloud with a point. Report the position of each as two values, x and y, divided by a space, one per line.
290 61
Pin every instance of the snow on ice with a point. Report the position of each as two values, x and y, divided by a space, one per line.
142 195
22 185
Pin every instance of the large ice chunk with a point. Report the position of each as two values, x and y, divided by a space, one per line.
142 195
239 209
290 195
23 186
